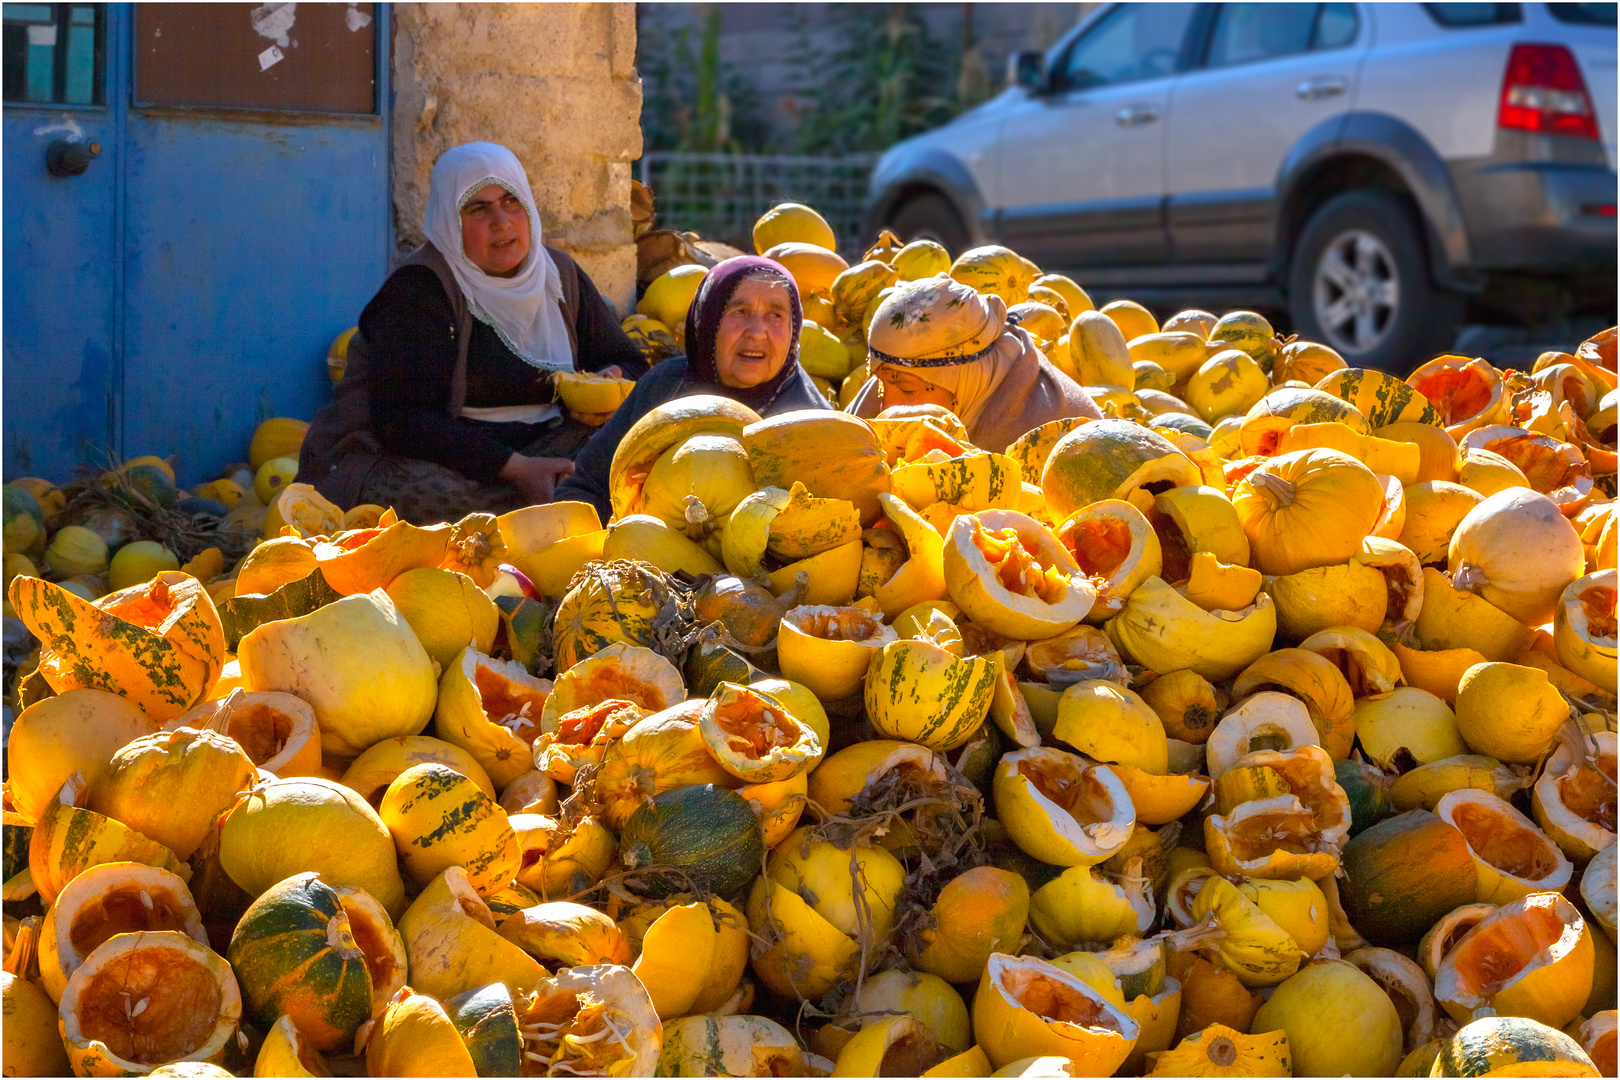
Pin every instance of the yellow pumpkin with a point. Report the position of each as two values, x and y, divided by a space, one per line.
1518 551
829 649
68 840
452 944
277 731
414 1037
1025 1005
1307 508
1337 1020
170 786
1061 810
922 693
1530 958
491 709
439 818
78 731
1161 629
664 751
1218 1050
1009 574
1112 459
978 912
1512 858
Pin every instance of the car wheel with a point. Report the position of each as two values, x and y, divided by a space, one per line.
1359 282
930 216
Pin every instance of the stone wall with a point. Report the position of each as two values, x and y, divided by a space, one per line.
557 84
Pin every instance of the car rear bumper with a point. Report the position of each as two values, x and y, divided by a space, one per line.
1549 217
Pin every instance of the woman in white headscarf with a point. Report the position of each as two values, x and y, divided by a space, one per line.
446 405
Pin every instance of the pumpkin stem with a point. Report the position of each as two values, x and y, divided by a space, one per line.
20 961
1278 491
220 722
1469 577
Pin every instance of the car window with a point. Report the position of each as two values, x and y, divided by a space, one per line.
1459 16
1585 14
1335 26
1245 33
1131 43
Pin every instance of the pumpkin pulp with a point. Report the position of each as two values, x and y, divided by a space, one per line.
1502 949
1589 791
151 1006
1078 792
1455 393
1020 570
838 624
1286 828
1504 843
1598 603
571 1032
514 707
753 728
261 730
125 909
1099 545
1056 1002
581 726
372 941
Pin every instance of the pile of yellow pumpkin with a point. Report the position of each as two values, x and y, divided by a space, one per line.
1264 727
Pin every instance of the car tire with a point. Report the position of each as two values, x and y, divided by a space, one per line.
1359 282
930 216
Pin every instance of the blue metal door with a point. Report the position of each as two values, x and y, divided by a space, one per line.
61 326
248 222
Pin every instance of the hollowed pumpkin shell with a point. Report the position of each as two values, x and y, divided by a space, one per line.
1556 469
1027 1006
625 672
566 934
1574 799
491 709
113 898
451 941
1530 958
1059 809
592 1020
1314 681
1300 834
1270 418
1267 720
361 560
1115 547
1112 459
692 956
920 574
1367 664
147 999
1584 628
1407 987
1512 858
582 736
754 737
1598 889
160 644
829 649
277 731
1466 394
1161 629
1443 936
558 863
1008 573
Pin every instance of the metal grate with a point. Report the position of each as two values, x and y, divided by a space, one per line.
720 196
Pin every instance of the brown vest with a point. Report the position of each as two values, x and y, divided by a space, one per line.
340 448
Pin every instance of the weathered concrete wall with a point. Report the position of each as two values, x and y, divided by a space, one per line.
557 84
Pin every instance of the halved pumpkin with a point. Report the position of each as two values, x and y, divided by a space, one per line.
1316 682
491 709
277 731
1574 798
921 692
582 736
1530 958
113 898
1116 548
1061 810
754 737
1512 858
1466 394
664 751
1585 630
147 999
1299 834
1026 1006
1266 720
829 649
594 1020
621 671
1007 572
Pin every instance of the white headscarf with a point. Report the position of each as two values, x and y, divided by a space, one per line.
525 310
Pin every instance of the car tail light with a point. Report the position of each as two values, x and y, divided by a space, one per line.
1543 92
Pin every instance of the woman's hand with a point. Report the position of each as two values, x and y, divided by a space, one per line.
535 477
612 371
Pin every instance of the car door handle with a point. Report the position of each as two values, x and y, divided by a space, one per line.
1325 86
1136 115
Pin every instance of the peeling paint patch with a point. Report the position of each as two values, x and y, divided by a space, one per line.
275 21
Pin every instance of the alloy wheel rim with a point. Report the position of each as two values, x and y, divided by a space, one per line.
1356 291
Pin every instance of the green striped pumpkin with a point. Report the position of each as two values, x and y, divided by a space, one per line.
609 602
1368 792
510 900
920 693
486 1019
709 832
1031 449
974 481
439 819
711 1045
1380 397
296 953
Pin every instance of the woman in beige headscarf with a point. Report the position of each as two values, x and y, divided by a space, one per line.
938 342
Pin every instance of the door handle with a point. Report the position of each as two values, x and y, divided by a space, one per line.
1136 115
63 158
1324 86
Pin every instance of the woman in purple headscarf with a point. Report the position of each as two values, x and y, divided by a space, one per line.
742 334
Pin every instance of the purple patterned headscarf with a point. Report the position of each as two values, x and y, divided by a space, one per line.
703 325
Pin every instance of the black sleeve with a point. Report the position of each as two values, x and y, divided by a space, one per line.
589 480
411 331
601 342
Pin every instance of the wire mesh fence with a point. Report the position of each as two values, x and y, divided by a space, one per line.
720 196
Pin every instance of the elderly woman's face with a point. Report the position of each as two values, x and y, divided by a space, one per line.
902 387
756 331
495 231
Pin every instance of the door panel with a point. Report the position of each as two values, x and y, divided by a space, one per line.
1083 164
250 247
60 360
1274 71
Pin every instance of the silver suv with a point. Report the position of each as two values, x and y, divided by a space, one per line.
1373 170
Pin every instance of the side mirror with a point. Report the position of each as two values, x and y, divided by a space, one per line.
1027 68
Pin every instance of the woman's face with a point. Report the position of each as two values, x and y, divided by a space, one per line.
756 330
495 231
903 387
